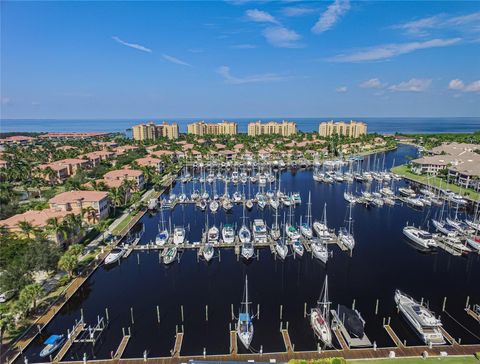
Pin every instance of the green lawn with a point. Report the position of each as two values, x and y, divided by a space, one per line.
444 360
118 229
435 181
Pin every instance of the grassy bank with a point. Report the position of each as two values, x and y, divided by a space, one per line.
404 171
442 360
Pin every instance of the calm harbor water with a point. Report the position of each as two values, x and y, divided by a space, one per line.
382 261
377 124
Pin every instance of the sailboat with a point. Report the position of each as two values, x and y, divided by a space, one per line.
163 235
170 255
244 324
346 233
290 229
275 230
319 317
208 249
306 227
319 249
281 245
246 239
321 228
178 235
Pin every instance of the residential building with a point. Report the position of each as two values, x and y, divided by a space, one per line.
115 178
152 131
203 128
96 157
150 162
284 128
73 135
79 201
17 139
353 129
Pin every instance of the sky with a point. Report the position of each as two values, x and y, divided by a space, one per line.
239 58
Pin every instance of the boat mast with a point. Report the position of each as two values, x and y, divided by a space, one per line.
325 214
309 210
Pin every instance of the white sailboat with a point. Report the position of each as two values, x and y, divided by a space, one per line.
178 235
281 246
275 230
306 227
320 250
319 317
346 233
321 228
163 234
245 324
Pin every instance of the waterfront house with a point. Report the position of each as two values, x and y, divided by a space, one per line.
60 172
96 157
150 162
115 178
79 202
124 149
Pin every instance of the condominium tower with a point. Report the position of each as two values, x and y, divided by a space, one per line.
285 128
203 128
152 131
354 129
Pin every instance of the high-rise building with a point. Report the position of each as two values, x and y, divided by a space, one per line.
203 128
152 131
353 129
285 128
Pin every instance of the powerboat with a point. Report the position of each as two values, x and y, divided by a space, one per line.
208 251
352 321
170 255
213 235
178 235
259 231
298 247
52 344
247 249
114 256
228 234
419 236
214 205
423 321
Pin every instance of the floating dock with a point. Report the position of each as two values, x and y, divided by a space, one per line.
76 331
394 336
352 342
121 348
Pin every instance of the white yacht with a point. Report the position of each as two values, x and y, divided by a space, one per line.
245 324
114 256
169 255
162 237
213 235
178 235
259 231
426 325
228 234
349 197
227 204
319 249
319 317
419 236
208 251
406 191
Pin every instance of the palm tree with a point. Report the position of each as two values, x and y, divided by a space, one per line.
51 175
127 186
74 225
33 292
91 213
103 226
27 228
68 262
115 195
57 228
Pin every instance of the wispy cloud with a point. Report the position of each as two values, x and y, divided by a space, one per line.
412 85
6 101
392 50
297 10
282 37
423 26
132 45
260 16
175 60
341 89
333 13
243 46
372 83
459 85
224 71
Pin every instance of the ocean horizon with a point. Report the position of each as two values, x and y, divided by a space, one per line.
380 125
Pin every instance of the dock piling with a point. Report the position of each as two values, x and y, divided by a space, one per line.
233 316
158 314
181 312
107 316
123 331
305 310
138 258
353 304
376 307
444 303
258 311
206 312
131 315
467 301
281 311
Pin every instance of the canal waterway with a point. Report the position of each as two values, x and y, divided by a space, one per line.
382 261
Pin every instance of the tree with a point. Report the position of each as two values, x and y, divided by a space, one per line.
32 293
115 195
57 228
127 186
68 263
27 228
91 213
103 226
6 321
74 225
75 249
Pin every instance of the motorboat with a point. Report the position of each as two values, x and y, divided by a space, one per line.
423 321
406 191
178 235
228 234
213 235
114 255
259 231
419 236
227 204
52 344
474 242
237 197
352 321
244 323
297 247
214 205
415 202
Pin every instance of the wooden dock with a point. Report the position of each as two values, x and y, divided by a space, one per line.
472 313
287 341
178 345
394 336
340 339
121 348
447 336
233 343
68 344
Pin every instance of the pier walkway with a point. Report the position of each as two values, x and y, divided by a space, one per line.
340 339
68 344
472 313
394 336
178 345
121 348
233 343
287 341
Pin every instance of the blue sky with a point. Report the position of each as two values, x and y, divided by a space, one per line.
239 59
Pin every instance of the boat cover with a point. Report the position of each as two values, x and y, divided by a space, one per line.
52 339
244 317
